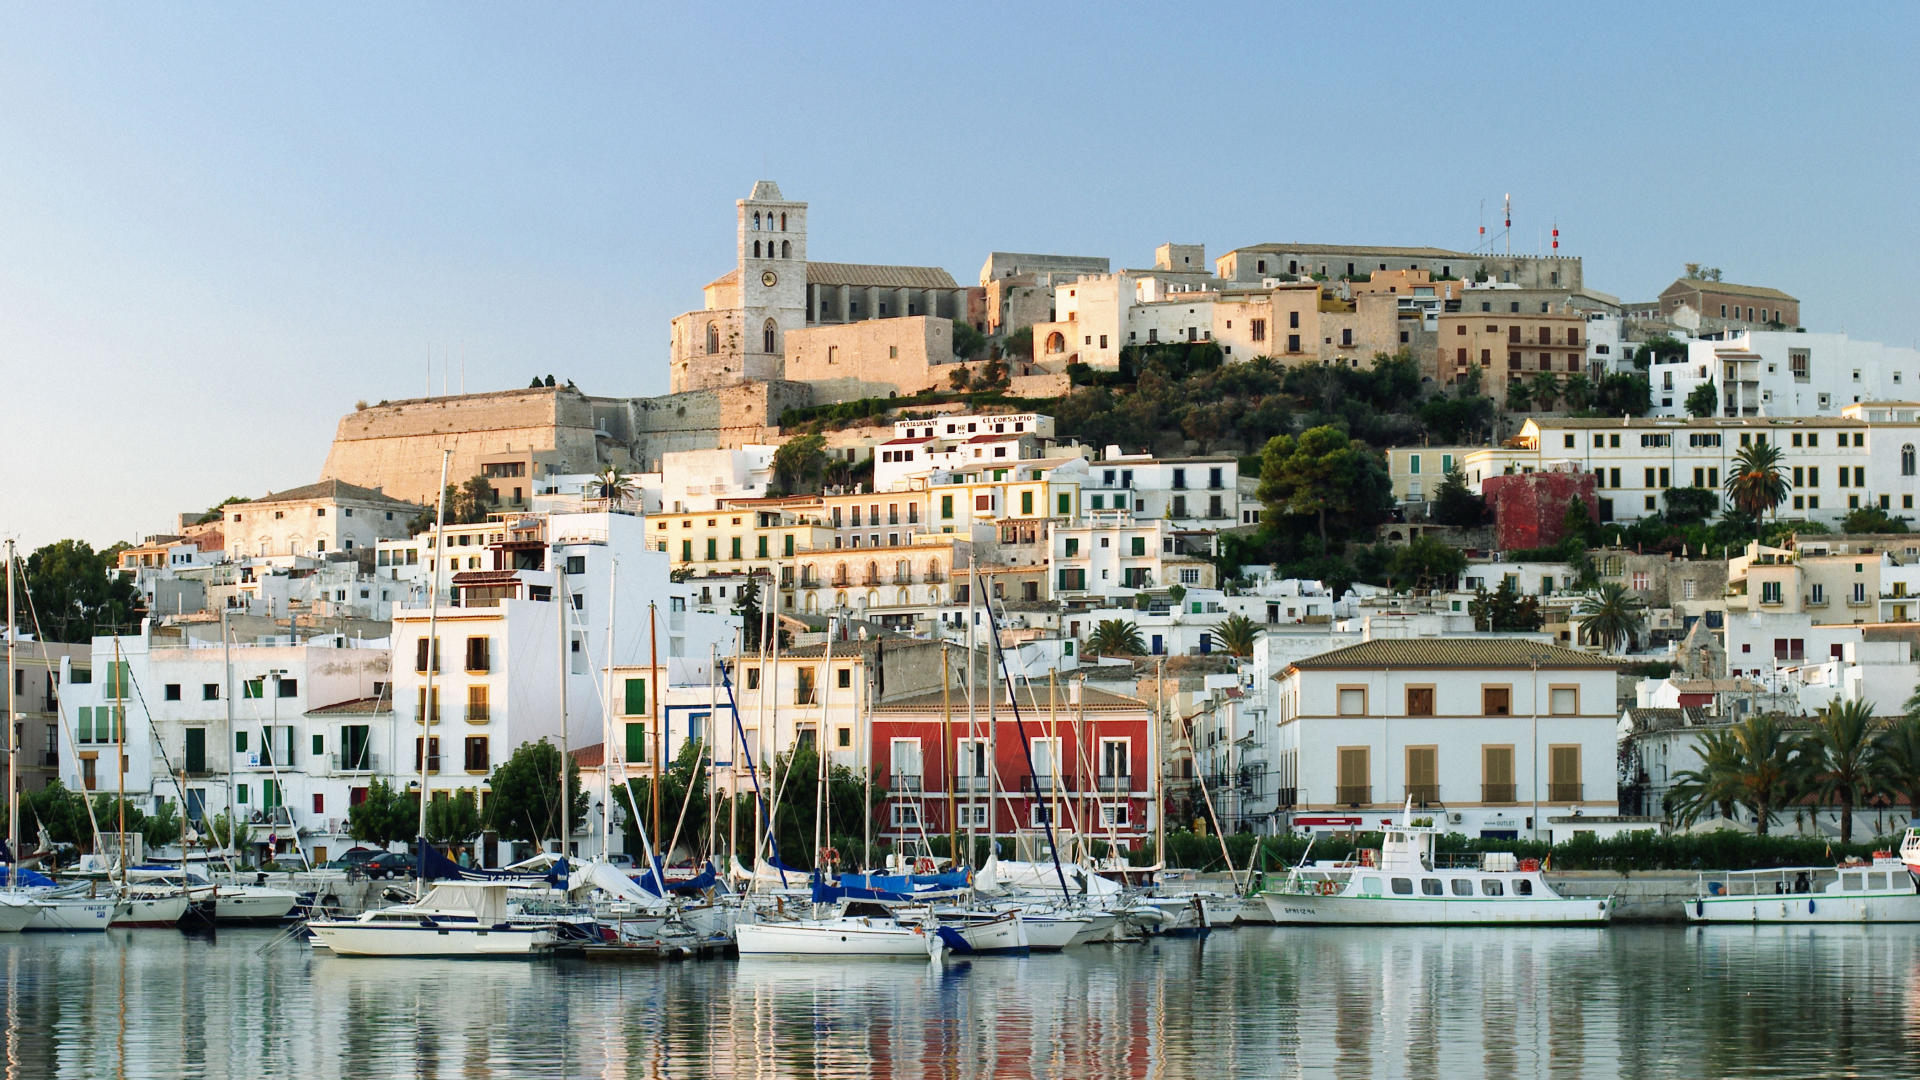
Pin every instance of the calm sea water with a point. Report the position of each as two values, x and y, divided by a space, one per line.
1630 1001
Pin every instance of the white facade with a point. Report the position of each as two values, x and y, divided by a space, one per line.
1777 373
696 480
331 515
1113 553
1191 493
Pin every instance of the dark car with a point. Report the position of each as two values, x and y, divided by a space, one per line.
351 859
387 864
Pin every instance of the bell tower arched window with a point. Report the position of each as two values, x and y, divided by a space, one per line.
1906 460
713 339
766 336
756 221
786 249
783 223
756 249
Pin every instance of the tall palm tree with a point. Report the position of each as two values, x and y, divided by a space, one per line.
1843 758
1546 390
1519 396
1714 787
1115 637
611 485
1899 751
1771 768
1611 617
1757 484
1578 390
1236 635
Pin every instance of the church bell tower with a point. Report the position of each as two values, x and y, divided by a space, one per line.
772 259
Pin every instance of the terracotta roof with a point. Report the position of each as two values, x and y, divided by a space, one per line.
1093 697
902 442
325 489
363 706
886 277
1462 652
1758 292
590 757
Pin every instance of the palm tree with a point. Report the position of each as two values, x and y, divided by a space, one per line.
1770 765
611 485
1115 637
1714 787
1757 484
1546 389
1236 635
1843 758
1577 390
1519 396
1899 750
1611 617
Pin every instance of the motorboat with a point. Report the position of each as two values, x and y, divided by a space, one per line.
1403 884
144 905
1857 891
453 919
231 903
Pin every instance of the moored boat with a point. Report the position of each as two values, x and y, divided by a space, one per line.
842 936
454 919
1882 890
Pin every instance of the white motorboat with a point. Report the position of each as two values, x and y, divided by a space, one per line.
1910 851
843 936
454 919
231 903
1403 885
1879 891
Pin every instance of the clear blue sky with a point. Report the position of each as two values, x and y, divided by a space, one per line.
220 225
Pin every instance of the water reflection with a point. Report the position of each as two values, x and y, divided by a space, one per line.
1657 1001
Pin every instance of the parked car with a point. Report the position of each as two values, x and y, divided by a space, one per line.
387 864
622 860
351 859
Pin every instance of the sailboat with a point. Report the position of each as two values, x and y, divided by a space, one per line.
16 911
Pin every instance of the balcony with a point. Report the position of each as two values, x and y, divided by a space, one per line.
1042 784
1353 795
1564 792
1496 793
478 714
1116 782
964 784
1423 794
1816 600
362 762
273 817
1287 798
50 759
907 784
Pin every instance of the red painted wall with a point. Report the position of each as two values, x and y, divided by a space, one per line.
1530 510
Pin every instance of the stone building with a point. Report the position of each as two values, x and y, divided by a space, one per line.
740 333
1510 347
1703 306
1293 261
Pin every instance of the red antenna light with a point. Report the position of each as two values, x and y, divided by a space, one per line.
1556 236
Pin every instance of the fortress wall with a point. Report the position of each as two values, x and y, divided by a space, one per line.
396 446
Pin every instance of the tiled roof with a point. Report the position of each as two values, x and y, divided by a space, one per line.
1758 292
590 757
1092 697
886 277
365 706
325 489
1466 652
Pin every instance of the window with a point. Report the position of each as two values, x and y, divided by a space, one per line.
173 688
1423 774
1492 887
636 742
1402 886
477 758
1563 774
1563 701
478 711
1770 592
1355 776
1496 774
1419 701
433 754
1258 329
478 659
210 691
1496 700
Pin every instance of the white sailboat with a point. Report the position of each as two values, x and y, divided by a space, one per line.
15 909
1406 886
839 937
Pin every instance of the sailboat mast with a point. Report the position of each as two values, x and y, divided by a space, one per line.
13 751
993 727
562 601
1159 766
822 828
653 706
116 682
713 712
606 718
946 751
427 710
733 760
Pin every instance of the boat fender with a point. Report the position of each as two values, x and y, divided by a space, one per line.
923 866
1700 908
1809 907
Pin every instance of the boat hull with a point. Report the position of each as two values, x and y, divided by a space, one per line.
1806 908
154 911
446 942
64 915
1048 933
253 906
14 916
831 938
1004 936
1301 909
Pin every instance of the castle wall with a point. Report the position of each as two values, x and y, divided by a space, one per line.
395 446
872 358
721 417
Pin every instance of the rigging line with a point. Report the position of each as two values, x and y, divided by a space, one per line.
1026 744
753 771
59 700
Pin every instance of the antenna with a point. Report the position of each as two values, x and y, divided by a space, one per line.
1508 202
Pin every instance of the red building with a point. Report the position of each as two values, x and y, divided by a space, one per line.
1092 757
1530 509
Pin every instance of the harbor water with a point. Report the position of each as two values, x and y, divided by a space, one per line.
1641 1001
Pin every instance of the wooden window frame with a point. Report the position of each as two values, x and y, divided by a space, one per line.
1433 699
1339 692
1485 687
1552 688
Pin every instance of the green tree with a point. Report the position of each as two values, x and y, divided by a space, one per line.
1771 772
800 463
1703 400
384 816
455 819
1545 389
77 591
1714 787
1757 484
1505 610
610 484
1519 395
685 778
1899 752
1611 617
1843 760
1690 506
958 378
163 826
1461 417
1236 635
1020 343
477 500
1660 349
1622 394
967 342
1115 637
214 514
752 618
1871 519
1324 473
61 811
1577 390
1454 504
1425 562
525 804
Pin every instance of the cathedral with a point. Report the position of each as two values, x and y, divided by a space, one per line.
762 313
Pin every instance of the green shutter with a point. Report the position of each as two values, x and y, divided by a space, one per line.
117 679
1139 545
239 742
736 547
240 793
1026 503
636 697
1066 504
786 544
946 506
761 549
86 724
686 551
319 745
270 793
713 549
636 742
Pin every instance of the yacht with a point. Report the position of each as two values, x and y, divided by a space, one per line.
1402 884
231 903
840 936
453 919
16 911
72 907
1852 892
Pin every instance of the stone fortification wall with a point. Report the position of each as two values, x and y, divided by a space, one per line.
395 446
721 417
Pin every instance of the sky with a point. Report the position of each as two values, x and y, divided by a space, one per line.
221 225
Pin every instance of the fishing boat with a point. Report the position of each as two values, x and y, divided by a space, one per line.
1402 884
453 919
1858 891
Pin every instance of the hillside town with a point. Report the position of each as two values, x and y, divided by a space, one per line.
1292 537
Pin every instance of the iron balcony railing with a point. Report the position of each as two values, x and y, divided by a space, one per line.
1564 792
1353 794
1496 793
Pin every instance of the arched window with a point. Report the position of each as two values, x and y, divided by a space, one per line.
756 249
756 221
766 337
783 223
713 339
933 596
902 572
1056 342
872 599
1906 460
813 603
933 570
873 573
904 598
840 599
786 249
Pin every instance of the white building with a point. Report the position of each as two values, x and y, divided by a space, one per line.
331 515
1495 733
1777 373
1114 553
1200 493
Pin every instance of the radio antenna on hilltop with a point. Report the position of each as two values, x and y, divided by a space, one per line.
1508 199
